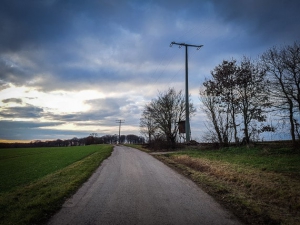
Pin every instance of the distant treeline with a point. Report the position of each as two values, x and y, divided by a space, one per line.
92 139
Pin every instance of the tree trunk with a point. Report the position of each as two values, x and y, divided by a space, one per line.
247 138
291 117
236 139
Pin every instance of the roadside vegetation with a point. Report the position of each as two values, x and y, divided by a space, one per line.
260 184
35 182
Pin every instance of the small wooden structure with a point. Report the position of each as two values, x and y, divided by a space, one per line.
181 127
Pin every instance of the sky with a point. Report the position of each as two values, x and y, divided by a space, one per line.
69 68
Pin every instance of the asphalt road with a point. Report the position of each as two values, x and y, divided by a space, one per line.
132 187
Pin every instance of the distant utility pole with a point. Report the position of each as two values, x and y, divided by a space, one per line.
187 109
120 122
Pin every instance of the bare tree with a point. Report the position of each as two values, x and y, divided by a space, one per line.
283 67
166 111
147 125
223 86
252 89
218 119
291 61
236 96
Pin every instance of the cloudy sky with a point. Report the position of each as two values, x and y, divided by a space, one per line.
69 68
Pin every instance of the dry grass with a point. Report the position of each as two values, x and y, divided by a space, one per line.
258 196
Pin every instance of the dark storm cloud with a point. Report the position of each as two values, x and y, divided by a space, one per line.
49 34
270 20
3 85
10 71
28 111
8 124
20 130
34 23
14 100
68 117
77 117
55 34
29 23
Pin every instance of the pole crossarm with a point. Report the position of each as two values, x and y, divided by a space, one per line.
184 44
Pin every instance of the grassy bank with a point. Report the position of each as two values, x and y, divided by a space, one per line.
35 182
260 185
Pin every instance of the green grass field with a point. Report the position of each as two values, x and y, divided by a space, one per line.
260 184
279 160
34 182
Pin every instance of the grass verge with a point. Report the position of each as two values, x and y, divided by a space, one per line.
35 202
259 186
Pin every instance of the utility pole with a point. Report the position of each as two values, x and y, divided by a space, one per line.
187 108
120 122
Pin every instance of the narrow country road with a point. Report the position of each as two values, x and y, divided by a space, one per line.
132 187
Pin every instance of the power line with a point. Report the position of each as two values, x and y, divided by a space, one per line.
187 110
120 122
